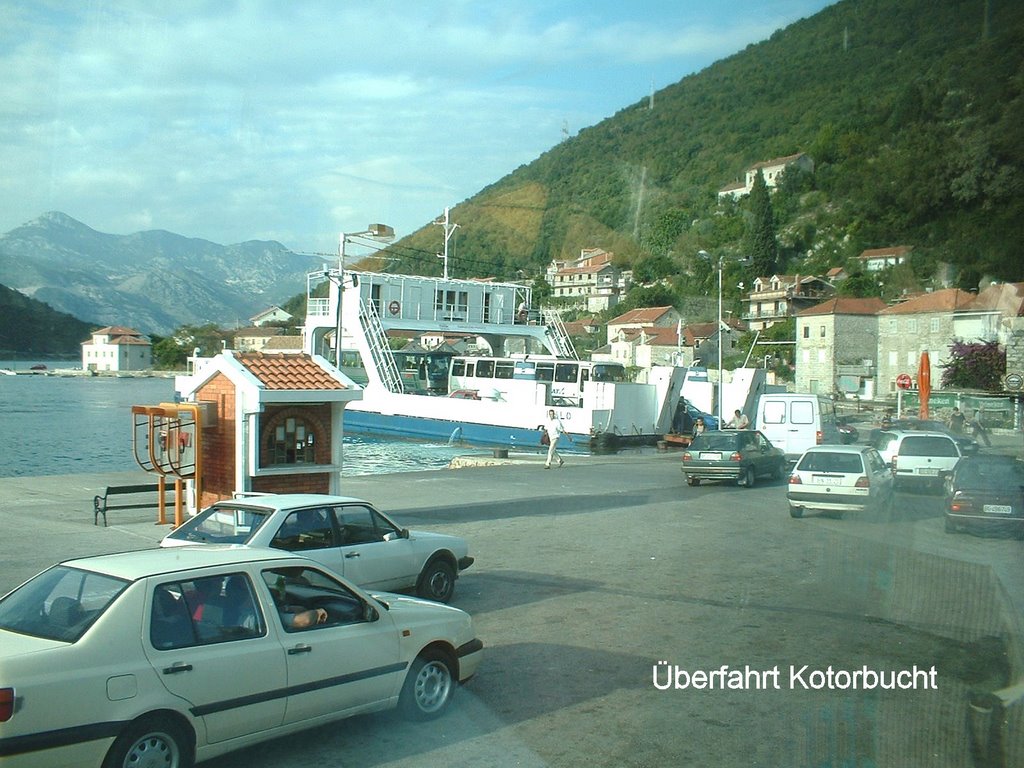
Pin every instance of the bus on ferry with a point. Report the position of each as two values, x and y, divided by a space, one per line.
566 378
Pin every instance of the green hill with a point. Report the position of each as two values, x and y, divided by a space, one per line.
29 328
910 109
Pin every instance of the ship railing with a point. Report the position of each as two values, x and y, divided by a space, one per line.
560 340
377 341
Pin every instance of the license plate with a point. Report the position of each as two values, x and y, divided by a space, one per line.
926 471
826 480
997 509
710 455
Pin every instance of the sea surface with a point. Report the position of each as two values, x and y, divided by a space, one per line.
61 425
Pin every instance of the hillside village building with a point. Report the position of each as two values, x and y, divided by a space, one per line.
771 170
779 297
591 281
877 259
272 315
116 348
837 342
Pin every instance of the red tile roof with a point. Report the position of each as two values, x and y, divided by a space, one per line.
1008 298
946 300
641 315
287 371
845 306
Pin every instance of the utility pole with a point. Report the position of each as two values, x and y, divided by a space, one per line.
449 230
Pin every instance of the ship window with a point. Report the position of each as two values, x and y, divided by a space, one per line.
504 369
566 372
484 369
458 368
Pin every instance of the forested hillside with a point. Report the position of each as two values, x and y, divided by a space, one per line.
29 328
910 109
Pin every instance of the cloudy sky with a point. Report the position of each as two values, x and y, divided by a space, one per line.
296 120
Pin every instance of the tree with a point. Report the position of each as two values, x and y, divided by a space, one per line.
172 352
977 365
763 247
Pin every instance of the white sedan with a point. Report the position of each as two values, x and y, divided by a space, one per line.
346 534
173 656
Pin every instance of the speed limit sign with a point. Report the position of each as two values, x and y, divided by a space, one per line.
903 381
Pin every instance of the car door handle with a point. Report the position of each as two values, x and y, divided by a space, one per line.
303 648
176 668
351 554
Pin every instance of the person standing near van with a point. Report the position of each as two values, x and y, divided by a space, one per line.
739 420
555 430
957 421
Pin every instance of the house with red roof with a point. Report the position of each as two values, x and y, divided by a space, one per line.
591 282
837 345
779 297
877 259
117 348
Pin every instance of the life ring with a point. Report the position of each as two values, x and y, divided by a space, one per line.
394 307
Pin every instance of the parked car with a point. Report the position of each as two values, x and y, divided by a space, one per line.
968 445
346 534
739 455
172 656
838 479
986 495
921 459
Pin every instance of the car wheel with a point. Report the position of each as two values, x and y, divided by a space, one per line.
428 687
748 479
693 481
796 512
778 472
437 582
152 742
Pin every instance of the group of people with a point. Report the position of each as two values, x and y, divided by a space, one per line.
959 423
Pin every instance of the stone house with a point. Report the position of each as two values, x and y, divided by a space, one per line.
116 348
254 339
837 345
922 323
643 318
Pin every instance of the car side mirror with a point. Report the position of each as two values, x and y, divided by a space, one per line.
404 533
370 613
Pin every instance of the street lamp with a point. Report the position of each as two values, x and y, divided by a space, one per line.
721 381
380 233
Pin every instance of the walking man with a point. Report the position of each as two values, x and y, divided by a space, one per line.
978 429
555 430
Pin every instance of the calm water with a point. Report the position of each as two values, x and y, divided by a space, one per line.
57 425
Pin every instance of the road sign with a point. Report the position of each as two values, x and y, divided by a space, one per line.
1014 381
903 381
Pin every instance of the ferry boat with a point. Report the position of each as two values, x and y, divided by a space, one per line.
498 398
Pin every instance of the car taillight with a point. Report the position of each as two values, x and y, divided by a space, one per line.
795 480
819 437
960 505
735 457
687 456
862 482
6 704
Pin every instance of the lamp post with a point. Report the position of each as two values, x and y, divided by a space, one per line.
721 382
380 233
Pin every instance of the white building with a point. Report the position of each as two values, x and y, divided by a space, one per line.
771 170
116 348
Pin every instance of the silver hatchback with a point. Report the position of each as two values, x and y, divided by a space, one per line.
840 478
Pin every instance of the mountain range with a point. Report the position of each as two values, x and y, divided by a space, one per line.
152 281
911 111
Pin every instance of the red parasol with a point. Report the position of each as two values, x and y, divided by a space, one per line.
924 384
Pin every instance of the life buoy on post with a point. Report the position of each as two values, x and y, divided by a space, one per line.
394 307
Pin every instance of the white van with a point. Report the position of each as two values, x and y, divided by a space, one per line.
795 422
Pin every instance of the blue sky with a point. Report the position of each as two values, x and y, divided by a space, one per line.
294 121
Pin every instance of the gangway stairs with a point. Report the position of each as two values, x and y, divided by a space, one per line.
380 351
563 346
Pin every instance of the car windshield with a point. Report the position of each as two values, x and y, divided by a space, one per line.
222 524
990 475
61 603
716 441
821 461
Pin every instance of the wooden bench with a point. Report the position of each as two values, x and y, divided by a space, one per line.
100 505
